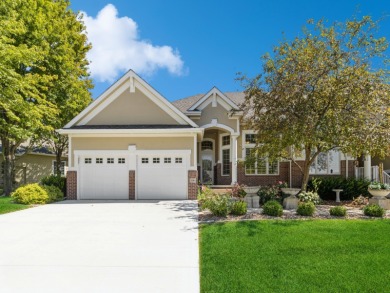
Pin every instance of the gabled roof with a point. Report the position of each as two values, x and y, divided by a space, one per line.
184 104
211 94
129 81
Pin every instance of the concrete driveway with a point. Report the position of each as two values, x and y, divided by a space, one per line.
91 246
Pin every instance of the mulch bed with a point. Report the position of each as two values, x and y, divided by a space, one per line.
322 212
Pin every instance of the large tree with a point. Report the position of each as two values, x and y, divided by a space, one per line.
324 90
34 47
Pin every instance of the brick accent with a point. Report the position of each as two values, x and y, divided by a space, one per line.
192 187
222 180
71 185
261 180
131 184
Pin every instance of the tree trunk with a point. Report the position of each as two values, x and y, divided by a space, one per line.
305 178
9 166
59 152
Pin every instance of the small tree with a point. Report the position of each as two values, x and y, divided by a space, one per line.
320 92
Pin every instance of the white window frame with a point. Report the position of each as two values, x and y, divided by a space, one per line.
225 147
62 169
251 146
327 160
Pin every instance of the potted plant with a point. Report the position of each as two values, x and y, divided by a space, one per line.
378 189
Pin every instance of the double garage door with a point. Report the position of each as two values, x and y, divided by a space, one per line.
157 176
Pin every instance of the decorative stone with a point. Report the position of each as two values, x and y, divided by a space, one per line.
380 201
290 203
337 194
379 192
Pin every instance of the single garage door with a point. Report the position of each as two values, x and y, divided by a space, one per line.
104 177
162 176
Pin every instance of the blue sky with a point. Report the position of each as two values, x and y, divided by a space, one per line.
183 48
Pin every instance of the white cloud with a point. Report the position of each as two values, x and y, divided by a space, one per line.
117 47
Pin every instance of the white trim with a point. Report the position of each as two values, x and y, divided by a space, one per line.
133 131
327 164
139 83
52 167
213 91
195 153
214 124
70 163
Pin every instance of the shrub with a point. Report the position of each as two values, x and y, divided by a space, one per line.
204 196
239 208
309 196
219 205
54 180
306 209
267 193
30 194
54 193
374 210
238 191
379 186
273 208
338 211
351 187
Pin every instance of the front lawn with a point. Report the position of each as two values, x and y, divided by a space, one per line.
296 256
7 205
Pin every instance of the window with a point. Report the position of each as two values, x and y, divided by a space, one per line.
121 161
225 140
145 160
167 160
110 160
326 163
178 160
156 160
226 162
62 167
87 161
250 138
255 165
99 160
207 145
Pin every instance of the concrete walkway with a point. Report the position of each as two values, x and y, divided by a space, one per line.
86 246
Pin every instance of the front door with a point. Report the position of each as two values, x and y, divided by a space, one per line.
207 159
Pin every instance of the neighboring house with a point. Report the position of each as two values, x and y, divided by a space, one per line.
33 166
131 143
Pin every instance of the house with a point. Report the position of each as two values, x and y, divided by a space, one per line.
132 143
31 166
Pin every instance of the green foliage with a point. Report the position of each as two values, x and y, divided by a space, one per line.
54 193
306 209
374 210
338 211
309 196
204 196
351 187
31 194
219 205
7 205
379 186
267 193
54 180
273 208
239 208
320 91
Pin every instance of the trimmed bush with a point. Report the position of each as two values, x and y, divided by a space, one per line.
273 208
239 208
54 193
30 194
306 209
219 205
351 187
54 180
338 211
309 196
267 193
374 210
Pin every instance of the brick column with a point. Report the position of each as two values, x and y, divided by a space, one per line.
71 185
132 184
192 184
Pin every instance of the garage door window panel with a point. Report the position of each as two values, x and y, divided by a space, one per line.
167 160
145 160
121 161
87 161
99 160
178 160
110 160
156 160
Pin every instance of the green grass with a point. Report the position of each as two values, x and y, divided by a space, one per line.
7 206
296 256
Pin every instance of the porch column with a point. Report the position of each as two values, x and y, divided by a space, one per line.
234 158
367 167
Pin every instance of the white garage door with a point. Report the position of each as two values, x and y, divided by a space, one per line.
162 176
104 177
